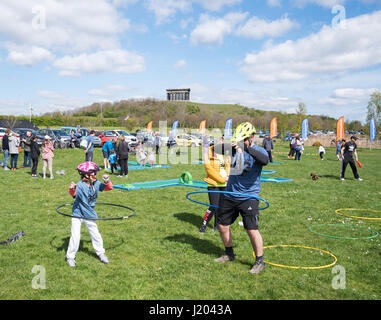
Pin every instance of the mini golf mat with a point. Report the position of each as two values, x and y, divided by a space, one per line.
178 183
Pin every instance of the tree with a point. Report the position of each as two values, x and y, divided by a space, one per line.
374 107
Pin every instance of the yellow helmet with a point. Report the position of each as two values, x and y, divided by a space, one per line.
243 131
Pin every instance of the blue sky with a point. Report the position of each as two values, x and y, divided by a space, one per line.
269 55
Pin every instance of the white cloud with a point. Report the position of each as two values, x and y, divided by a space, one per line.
27 55
117 61
123 3
258 28
330 51
108 91
165 10
352 93
274 3
213 30
50 95
180 64
216 5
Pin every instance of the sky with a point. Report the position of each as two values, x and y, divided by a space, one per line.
269 55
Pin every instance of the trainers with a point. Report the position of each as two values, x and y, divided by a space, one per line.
359 179
224 258
6 168
257 267
203 228
71 263
103 258
342 179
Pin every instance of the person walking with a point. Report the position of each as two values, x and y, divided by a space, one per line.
292 147
157 142
5 146
268 145
35 154
321 152
347 152
47 151
14 145
298 147
217 169
122 151
245 172
27 156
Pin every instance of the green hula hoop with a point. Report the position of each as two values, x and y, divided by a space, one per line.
186 178
345 226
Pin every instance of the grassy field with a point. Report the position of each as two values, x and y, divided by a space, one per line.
160 255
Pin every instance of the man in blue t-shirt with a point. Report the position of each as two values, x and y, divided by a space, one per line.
244 179
90 146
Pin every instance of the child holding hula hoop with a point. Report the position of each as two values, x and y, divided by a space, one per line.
246 168
217 169
85 193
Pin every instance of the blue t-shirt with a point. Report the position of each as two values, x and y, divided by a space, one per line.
85 199
108 146
90 139
248 179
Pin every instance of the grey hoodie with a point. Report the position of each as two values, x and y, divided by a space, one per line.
14 143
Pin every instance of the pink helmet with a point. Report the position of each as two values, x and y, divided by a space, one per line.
87 168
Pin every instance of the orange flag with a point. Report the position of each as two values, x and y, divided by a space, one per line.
340 129
202 127
273 128
149 126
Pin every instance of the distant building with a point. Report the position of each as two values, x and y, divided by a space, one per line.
178 94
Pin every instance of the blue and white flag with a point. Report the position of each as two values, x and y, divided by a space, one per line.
372 129
304 129
174 129
228 128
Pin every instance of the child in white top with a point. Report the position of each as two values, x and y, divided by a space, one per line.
321 152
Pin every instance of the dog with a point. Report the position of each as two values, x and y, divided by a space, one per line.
314 176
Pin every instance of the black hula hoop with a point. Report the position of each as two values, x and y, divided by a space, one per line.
96 219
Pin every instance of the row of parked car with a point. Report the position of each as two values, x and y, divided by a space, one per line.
61 138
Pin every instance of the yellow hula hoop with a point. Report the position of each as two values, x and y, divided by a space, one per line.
295 267
355 217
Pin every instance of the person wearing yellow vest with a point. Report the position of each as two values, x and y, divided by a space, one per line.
217 169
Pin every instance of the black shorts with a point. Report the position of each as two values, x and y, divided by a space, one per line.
229 209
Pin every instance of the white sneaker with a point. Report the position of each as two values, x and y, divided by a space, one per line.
342 179
6 168
103 258
359 179
71 263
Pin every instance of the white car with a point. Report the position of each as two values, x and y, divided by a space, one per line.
129 137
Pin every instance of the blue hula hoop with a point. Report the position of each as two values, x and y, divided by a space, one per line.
226 192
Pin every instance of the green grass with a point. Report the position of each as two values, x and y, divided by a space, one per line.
159 254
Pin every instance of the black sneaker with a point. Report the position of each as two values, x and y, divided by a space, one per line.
203 228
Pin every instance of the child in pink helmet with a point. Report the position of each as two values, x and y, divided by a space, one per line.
85 193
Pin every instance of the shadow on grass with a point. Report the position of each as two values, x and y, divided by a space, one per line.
201 245
191 218
65 245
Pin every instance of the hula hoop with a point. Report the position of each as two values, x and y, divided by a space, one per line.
100 219
345 226
299 268
225 192
356 217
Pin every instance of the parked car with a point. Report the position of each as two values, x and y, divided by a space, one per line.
186 140
104 136
22 132
129 137
59 138
97 141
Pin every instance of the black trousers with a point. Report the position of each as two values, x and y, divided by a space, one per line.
344 165
270 155
123 166
34 165
113 166
214 200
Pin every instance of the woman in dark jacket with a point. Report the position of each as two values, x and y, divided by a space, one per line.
122 150
35 154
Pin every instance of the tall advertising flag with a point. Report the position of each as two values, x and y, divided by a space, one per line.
340 129
372 130
149 126
174 128
228 129
304 129
273 128
202 127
